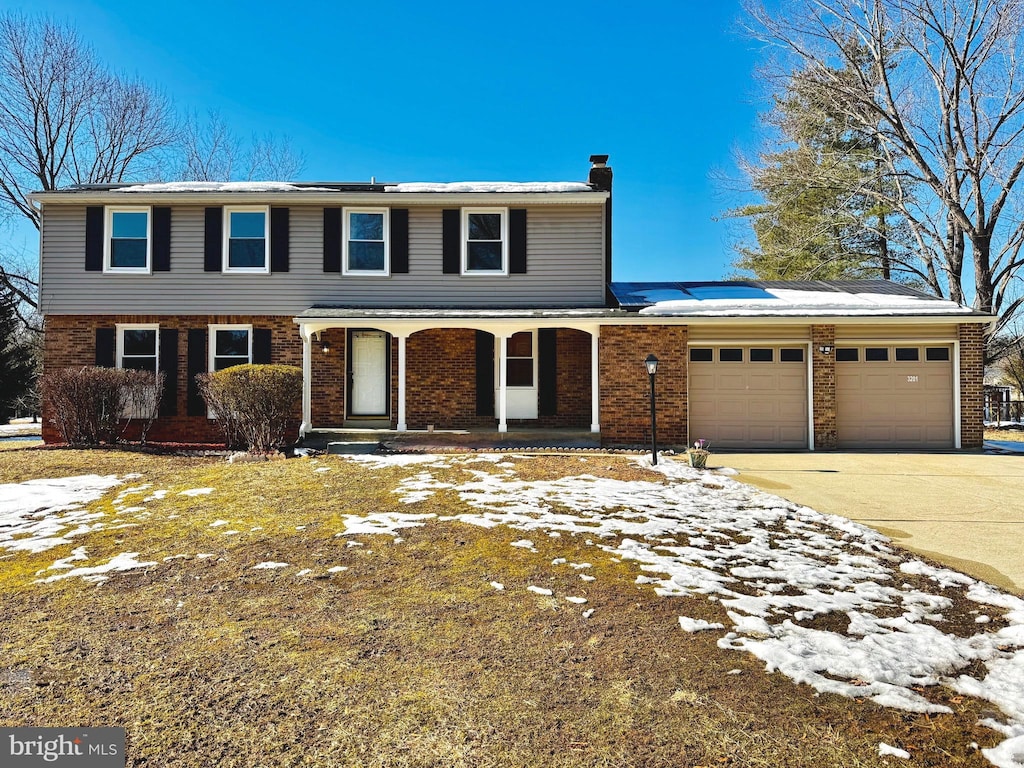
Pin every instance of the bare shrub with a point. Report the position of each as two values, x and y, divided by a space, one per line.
253 404
92 405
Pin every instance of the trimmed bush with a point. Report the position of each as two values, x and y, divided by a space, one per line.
253 404
91 405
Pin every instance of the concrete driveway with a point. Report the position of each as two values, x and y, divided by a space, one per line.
963 510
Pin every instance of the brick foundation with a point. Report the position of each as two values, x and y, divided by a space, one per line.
625 387
823 399
972 394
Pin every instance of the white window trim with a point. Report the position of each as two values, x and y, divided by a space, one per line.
108 234
120 328
534 342
211 331
225 247
119 340
345 229
466 272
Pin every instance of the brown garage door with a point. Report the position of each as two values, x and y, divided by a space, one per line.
894 396
748 396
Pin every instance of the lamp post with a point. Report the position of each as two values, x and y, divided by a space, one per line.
652 368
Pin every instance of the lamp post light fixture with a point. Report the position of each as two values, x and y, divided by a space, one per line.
652 368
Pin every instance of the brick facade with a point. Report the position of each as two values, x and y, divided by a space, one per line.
441 377
625 387
972 391
70 341
440 380
823 398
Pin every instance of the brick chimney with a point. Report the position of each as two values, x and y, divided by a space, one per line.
600 173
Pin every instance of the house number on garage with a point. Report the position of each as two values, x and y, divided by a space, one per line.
912 379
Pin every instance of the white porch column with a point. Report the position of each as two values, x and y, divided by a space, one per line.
595 386
402 426
307 382
502 383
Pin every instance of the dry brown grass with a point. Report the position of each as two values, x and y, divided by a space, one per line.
407 658
1012 435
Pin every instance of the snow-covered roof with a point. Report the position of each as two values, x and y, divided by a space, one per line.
490 186
848 298
220 186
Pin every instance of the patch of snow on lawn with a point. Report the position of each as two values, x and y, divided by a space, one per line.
698 625
196 492
884 750
269 565
774 566
38 515
126 561
381 522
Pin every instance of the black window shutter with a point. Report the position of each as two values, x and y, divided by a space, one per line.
169 368
162 239
105 347
484 373
261 346
547 372
332 239
451 241
399 241
196 365
517 241
278 239
213 245
94 238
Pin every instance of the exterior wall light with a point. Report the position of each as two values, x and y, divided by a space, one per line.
825 349
652 368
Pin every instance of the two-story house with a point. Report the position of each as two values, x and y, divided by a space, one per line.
486 305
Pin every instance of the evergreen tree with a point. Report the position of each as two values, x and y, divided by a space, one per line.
17 365
825 212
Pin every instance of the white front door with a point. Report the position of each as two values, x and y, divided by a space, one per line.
369 395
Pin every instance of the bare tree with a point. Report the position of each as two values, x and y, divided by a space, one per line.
210 151
66 119
941 92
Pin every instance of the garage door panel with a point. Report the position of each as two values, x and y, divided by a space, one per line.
762 409
894 404
732 382
748 404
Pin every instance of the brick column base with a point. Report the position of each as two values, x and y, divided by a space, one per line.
823 394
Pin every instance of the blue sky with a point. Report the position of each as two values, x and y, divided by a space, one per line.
452 91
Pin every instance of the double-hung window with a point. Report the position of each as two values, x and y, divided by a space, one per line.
138 349
128 245
485 241
521 357
365 239
230 345
246 239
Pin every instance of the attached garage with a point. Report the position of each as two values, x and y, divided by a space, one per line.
894 395
749 396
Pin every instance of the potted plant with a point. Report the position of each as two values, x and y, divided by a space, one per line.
698 455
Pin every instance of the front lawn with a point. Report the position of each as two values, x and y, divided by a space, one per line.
482 611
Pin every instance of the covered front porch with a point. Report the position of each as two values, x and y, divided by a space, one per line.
450 371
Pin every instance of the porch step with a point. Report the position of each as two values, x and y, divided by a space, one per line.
369 440
352 447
